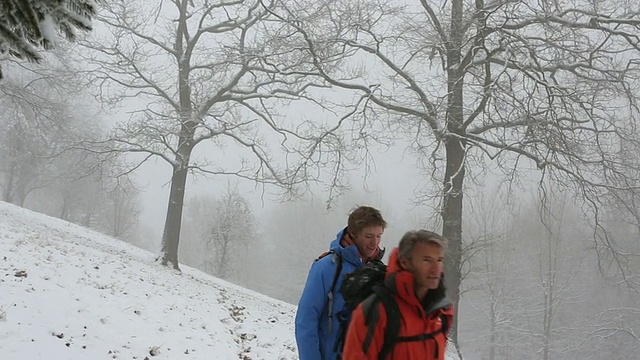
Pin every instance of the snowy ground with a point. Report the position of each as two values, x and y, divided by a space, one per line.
70 293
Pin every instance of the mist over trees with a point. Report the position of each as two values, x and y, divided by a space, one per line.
220 233
298 232
510 86
533 288
41 166
520 118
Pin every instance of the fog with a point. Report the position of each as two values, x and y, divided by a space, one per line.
242 150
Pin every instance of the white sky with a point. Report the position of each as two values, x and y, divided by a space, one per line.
395 177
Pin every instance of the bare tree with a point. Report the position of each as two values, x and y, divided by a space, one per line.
623 221
123 209
549 283
22 161
231 233
98 197
39 120
219 233
198 215
489 254
44 114
531 289
304 228
214 72
555 272
615 331
22 148
529 86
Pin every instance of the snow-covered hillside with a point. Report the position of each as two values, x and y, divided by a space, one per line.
69 293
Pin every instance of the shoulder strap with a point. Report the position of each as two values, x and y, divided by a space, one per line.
393 320
445 326
372 315
338 260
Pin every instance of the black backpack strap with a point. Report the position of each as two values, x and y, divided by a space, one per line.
445 325
371 318
445 331
432 335
393 319
381 294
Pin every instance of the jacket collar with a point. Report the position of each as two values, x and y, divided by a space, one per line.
350 251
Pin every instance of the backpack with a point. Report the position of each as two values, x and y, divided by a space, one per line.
356 287
366 284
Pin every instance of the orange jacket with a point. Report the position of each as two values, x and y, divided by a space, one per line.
415 321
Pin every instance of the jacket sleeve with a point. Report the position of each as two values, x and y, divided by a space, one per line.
309 314
357 333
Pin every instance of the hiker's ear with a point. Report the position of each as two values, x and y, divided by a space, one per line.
404 263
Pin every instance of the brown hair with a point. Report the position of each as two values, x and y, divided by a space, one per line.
411 238
362 217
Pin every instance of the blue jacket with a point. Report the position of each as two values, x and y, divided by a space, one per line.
316 333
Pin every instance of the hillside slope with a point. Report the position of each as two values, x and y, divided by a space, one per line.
71 293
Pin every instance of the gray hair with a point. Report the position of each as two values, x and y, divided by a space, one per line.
411 238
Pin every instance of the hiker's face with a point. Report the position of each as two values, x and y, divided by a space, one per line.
367 241
426 264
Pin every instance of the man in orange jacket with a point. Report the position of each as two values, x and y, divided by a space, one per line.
423 314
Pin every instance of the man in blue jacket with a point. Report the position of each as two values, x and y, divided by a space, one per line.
317 323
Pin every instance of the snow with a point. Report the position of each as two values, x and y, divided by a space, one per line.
48 28
71 293
84 20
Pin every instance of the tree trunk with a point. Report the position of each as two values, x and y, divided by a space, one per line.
63 210
452 223
455 169
492 327
22 190
8 189
87 219
223 257
173 222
